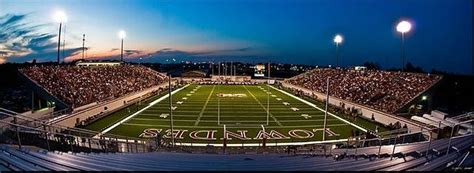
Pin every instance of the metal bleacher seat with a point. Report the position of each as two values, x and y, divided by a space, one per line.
438 162
431 164
52 157
364 160
38 161
16 163
3 168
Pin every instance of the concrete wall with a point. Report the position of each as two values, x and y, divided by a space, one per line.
43 93
39 114
381 117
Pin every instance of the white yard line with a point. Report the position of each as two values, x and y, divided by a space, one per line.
274 119
204 107
313 105
138 112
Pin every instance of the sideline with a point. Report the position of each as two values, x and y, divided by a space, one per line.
313 105
140 111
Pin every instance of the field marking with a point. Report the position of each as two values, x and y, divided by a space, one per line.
313 105
204 107
235 127
274 119
252 116
234 121
174 115
239 116
138 112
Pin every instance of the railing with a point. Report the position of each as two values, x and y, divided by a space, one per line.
454 134
65 141
28 126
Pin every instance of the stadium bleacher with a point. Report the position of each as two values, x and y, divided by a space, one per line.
25 159
381 90
79 86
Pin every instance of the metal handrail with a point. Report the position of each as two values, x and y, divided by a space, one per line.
79 130
76 138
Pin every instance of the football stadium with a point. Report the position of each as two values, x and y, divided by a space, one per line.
202 111
225 109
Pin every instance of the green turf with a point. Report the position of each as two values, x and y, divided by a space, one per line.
200 112
120 114
362 122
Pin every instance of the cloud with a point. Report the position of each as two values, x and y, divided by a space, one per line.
21 42
132 52
172 52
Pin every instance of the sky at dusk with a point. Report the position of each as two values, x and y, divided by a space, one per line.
281 31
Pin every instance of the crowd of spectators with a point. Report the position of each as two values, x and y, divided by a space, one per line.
78 86
381 90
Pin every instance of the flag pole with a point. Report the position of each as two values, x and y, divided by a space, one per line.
268 94
224 144
171 111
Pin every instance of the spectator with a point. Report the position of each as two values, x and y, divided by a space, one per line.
382 90
78 86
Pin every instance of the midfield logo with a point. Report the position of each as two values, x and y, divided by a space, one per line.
238 134
231 95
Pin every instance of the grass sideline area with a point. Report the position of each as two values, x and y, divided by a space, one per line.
242 108
365 123
118 115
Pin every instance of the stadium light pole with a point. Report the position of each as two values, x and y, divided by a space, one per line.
64 41
212 68
337 40
326 110
122 36
83 45
60 17
403 27
219 69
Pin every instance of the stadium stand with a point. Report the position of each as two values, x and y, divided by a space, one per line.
25 159
381 90
78 86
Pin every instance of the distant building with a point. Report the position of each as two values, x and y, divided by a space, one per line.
193 73
360 68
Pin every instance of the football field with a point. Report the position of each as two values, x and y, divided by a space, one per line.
200 113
